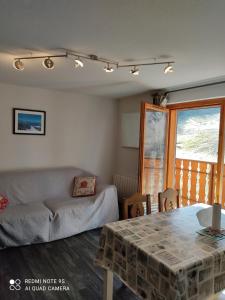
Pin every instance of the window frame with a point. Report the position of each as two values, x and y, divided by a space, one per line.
173 108
171 139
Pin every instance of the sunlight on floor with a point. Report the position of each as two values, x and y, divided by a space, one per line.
219 296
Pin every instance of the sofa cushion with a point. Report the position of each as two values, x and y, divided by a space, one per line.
24 224
84 186
3 202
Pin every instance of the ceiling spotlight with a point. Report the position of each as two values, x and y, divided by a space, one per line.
78 63
18 64
168 69
108 69
48 63
134 71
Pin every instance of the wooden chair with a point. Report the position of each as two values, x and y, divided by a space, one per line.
133 207
168 200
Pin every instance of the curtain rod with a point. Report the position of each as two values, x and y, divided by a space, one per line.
195 87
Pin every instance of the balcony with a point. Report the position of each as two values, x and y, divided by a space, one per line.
195 180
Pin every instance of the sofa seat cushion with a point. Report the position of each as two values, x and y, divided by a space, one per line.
24 224
75 205
75 215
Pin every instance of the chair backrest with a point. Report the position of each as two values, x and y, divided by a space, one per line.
168 200
133 206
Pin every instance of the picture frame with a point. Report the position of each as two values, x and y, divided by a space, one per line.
29 122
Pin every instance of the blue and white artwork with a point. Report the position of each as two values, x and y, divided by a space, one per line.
29 122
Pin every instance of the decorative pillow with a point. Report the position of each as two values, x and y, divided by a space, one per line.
84 186
3 202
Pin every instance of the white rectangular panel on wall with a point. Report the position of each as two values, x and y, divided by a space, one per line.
130 130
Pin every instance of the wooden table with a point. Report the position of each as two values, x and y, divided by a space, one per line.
161 256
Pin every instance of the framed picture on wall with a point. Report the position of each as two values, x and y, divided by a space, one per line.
26 121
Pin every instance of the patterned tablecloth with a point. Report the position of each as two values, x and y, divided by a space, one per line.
161 256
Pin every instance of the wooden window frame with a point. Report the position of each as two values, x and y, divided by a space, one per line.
171 139
173 108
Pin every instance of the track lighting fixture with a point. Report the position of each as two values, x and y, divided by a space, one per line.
48 63
78 63
108 69
134 71
18 64
168 69
135 67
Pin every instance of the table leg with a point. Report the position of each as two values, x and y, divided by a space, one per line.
108 285
125 211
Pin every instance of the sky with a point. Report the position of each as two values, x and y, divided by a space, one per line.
29 118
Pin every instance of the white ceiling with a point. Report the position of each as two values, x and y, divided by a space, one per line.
191 32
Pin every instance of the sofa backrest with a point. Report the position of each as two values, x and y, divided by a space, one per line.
38 185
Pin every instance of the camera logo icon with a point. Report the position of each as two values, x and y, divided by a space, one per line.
15 284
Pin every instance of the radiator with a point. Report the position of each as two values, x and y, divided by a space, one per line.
126 185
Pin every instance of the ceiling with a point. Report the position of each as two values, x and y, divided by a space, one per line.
191 32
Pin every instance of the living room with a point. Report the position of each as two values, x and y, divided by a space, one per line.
106 106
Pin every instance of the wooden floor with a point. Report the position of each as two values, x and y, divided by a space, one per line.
70 259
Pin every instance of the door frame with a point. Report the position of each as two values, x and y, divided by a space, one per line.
173 108
171 140
144 107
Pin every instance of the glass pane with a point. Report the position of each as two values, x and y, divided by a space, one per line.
197 134
154 152
196 154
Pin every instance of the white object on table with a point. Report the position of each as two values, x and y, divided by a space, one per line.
205 217
216 216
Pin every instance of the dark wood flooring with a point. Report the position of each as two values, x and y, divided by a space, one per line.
70 259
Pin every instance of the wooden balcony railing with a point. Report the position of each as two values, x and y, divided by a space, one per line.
196 180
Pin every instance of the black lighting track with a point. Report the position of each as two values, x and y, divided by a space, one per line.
195 87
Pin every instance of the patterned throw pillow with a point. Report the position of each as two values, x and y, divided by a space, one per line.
84 186
3 202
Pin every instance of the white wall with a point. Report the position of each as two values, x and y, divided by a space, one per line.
127 158
202 93
80 131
